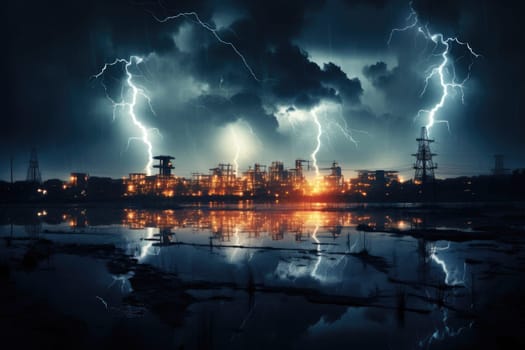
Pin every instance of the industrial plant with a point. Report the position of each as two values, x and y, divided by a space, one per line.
260 180
276 182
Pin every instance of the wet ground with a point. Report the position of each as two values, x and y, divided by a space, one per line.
268 276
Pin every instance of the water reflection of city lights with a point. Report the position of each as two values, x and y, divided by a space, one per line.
402 225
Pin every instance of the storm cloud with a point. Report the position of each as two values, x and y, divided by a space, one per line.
303 55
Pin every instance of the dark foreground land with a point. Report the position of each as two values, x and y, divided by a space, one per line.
400 277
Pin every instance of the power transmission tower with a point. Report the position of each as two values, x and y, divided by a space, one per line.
424 165
33 172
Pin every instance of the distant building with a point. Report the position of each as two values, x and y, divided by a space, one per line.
78 181
373 180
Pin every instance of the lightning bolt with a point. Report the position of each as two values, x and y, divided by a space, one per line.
347 133
129 103
412 15
318 145
214 32
196 19
287 117
237 150
445 71
341 125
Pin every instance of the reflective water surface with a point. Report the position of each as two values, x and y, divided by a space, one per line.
271 276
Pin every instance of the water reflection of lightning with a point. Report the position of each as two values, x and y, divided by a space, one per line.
237 243
214 33
130 103
332 265
446 332
352 247
145 250
318 248
445 71
102 301
123 279
451 278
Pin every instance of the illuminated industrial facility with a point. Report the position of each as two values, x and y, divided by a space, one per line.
275 181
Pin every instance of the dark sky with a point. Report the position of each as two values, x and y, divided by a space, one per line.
328 59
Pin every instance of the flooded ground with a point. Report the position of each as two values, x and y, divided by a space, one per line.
267 276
